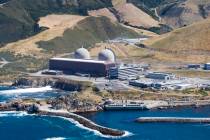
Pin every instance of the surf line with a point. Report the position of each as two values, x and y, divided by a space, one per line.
107 132
26 90
78 120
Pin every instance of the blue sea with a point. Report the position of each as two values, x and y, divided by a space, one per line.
20 126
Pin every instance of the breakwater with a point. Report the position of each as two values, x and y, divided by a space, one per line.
33 109
85 122
172 120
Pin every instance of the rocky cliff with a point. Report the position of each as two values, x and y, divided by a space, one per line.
57 83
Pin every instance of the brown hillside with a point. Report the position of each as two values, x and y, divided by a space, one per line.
57 24
134 16
118 2
190 44
185 13
103 12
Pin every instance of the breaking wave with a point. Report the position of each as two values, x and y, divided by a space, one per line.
55 138
13 114
26 90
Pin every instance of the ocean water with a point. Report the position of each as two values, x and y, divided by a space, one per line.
20 126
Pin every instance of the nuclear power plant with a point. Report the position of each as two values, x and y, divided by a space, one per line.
82 63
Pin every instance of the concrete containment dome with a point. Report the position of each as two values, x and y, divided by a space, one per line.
82 53
107 55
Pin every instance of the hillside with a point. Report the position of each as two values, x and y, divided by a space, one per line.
86 33
56 24
190 44
118 2
41 29
18 18
103 12
134 16
175 13
185 13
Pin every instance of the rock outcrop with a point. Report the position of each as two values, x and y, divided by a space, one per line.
57 83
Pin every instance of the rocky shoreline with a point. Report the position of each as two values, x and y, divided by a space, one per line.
57 83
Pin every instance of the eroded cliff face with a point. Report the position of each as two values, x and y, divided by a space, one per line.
76 101
57 83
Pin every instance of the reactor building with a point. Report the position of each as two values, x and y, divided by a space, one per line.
83 64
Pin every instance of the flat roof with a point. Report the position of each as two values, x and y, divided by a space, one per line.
81 60
162 73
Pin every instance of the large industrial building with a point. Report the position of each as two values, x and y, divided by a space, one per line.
83 64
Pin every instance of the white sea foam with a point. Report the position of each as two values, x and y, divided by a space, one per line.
55 138
13 114
127 134
25 90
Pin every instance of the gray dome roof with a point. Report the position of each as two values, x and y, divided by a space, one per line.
107 55
82 53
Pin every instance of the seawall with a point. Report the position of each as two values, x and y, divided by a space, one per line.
172 120
85 122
